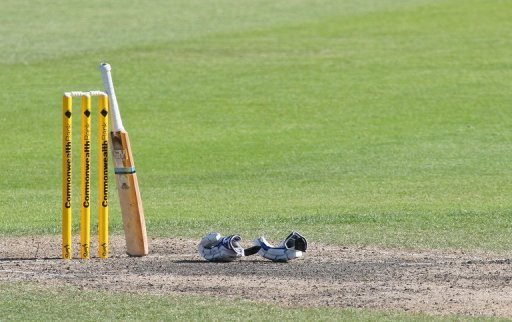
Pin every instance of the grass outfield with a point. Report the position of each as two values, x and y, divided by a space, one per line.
74 305
383 123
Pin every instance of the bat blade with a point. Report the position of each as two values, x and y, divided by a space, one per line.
129 195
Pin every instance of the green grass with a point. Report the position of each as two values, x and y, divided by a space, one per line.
383 123
356 123
71 304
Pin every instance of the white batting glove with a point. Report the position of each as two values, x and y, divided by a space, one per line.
290 248
215 248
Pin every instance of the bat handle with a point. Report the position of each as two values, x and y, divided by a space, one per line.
117 123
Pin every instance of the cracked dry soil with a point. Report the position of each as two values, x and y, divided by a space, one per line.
434 282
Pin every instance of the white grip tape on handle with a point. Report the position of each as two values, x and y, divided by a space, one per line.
117 123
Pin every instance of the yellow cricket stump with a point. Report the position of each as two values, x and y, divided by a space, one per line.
67 124
85 218
103 177
85 221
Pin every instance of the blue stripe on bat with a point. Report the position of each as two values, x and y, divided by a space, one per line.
124 170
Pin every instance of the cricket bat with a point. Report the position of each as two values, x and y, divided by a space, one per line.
126 178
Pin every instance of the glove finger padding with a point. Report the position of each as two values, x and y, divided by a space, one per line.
296 241
215 248
290 248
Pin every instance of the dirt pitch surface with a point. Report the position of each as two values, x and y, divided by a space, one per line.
433 282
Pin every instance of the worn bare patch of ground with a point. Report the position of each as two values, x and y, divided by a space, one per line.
436 282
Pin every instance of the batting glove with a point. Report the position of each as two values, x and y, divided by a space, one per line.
215 248
290 248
